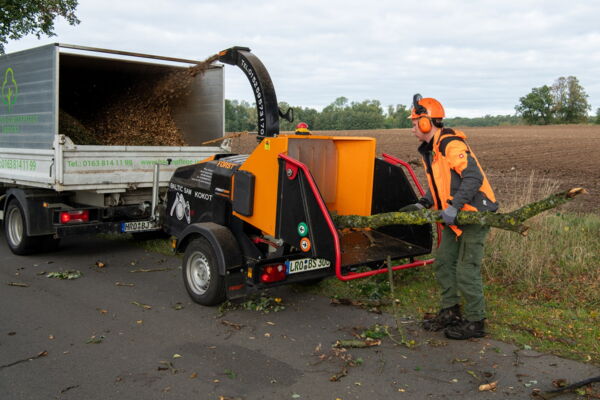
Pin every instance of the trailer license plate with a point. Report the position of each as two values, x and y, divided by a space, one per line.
139 226
306 264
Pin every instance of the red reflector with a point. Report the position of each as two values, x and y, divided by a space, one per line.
273 273
74 216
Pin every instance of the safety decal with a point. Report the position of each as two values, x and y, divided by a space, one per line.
305 244
267 144
181 208
302 229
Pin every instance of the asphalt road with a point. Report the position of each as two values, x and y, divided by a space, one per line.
196 353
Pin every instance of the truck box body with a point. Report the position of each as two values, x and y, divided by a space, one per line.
53 185
39 82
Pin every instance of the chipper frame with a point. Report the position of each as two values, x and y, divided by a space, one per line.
246 222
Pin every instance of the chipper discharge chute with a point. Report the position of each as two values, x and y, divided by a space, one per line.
249 222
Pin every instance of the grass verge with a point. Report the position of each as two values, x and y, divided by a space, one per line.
542 291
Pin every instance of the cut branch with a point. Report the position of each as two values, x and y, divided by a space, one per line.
512 221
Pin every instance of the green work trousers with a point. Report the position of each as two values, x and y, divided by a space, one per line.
458 269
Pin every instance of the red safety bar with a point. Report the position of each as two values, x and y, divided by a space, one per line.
322 206
337 250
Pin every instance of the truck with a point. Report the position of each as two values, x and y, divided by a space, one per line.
52 186
248 222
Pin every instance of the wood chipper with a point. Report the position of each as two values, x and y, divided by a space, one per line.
246 222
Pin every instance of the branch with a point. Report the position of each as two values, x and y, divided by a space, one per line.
512 221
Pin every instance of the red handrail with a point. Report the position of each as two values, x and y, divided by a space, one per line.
333 229
322 207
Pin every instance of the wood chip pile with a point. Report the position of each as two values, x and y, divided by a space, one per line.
140 117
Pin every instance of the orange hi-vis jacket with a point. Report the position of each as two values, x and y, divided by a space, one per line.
454 175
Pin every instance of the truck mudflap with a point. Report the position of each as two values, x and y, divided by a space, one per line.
305 222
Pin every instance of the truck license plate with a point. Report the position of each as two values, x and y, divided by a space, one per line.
306 264
139 226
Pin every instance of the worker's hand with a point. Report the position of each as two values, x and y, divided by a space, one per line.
412 207
449 215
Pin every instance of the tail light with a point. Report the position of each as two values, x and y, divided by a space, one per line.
273 273
67 217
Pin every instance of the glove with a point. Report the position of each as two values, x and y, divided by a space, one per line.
412 207
449 215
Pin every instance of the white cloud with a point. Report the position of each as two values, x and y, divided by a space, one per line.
477 57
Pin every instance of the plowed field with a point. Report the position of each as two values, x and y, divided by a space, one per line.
565 154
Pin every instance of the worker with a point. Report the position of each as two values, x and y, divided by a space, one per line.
457 183
302 129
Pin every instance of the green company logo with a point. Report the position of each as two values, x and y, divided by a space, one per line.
10 90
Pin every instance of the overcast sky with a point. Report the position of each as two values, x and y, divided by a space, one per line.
476 57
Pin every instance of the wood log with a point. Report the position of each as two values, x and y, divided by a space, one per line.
512 221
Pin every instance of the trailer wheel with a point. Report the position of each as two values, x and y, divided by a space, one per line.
201 273
15 231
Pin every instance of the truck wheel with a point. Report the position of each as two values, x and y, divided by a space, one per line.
15 230
201 275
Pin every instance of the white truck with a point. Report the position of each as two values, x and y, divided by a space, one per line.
51 187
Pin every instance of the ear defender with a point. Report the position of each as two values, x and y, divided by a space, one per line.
425 124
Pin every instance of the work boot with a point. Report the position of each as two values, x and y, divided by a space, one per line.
466 330
445 317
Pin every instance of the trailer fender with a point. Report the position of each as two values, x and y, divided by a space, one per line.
226 247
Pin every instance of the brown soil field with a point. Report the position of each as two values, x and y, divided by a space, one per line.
554 154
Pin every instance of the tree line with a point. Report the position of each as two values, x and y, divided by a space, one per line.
563 102
342 114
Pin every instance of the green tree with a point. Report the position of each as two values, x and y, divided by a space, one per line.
397 117
597 121
239 116
367 114
19 18
570 101
537 108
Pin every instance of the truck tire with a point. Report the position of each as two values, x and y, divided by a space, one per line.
201 273
15 231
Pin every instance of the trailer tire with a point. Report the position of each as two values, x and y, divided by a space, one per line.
201 275
15 231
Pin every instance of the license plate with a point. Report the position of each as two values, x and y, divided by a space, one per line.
306 264
139 226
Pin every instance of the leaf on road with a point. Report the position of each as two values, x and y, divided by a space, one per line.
339 375
178 306
124 284
488 386
235 326
167 365
68 274
473 374
177 355
100 264
95 339
230 374
141 305
559 383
